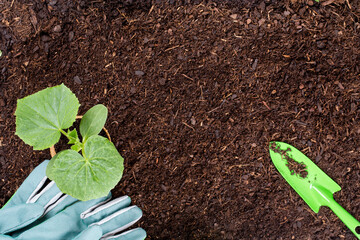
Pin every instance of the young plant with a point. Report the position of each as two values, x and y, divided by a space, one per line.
42 117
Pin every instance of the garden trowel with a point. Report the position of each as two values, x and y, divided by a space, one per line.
310 182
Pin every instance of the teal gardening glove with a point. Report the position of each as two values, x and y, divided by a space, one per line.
41 211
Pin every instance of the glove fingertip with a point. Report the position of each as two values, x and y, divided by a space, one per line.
137 211
138 234
141 233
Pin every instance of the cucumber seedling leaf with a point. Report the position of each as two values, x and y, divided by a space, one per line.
41 116
74 139
89 176
93 121
76 147
73 136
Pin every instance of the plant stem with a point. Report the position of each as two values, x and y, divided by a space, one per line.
63 132
82 149
74 141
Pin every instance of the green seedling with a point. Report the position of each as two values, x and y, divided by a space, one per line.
93 166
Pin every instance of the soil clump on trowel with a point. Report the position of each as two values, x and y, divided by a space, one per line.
294 166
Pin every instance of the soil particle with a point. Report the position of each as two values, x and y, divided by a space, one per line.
45 38
77 80
57 29
139 73
71 36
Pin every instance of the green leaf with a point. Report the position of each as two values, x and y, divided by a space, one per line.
41 116
90 176
77 146
73 136
93 121
74 139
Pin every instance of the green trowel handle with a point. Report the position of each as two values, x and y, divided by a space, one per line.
350 221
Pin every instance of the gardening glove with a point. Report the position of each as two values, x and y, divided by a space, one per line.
35 201
90 220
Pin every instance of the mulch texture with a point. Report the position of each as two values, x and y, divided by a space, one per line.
195 92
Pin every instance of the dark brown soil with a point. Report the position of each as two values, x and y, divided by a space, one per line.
295 167
196 91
